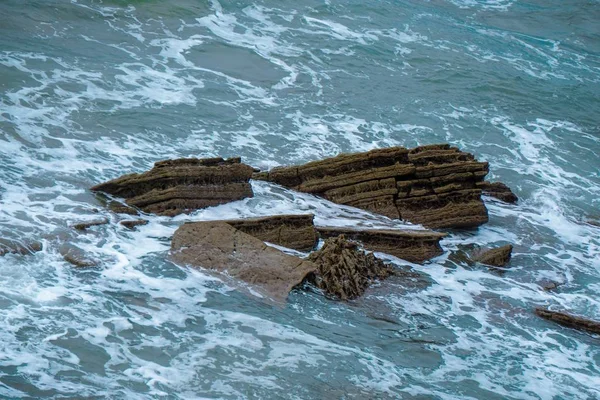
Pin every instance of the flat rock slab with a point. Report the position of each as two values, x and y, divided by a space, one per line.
570 321
292 231
344 270
434 185
410 245
497 257
184 185
499 191
220 247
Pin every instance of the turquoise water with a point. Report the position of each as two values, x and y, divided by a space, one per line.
91 90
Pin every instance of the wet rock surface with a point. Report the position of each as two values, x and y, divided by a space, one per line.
497 257
76 256
18 247
569 320
344 271
218 246
293 231
132 224
82 226
434 185
499 191
410 245
179 186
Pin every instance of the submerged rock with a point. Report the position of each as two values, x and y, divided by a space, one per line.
497 257
570 321
82 226
433 185
498 190
120 208
76 256
132 224
179 186
410 245
292 231
344 270
18 247
218 246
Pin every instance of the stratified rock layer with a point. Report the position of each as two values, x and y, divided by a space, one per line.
344 270
218 246
410 245
180 186
497 257
433 185
292 231
570 321
498 190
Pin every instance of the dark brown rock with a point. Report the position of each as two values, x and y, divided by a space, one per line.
132 224
181 186
410 245
570 321
292 231
76 256
498 190
82 226
220 247
433 185
120 208
344 270
497 257
18 247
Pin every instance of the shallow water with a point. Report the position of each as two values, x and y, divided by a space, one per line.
91 90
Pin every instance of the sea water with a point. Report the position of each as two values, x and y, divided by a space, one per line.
91 90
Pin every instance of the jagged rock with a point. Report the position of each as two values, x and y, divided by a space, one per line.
16 247
76 256
433 185
292 231
82 226
410 245
179 186
132 224
344 270
498 190
569 320
218 246
497 257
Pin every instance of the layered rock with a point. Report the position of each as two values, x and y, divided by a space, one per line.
344 270
181 186
498 190
410 245
570 321
291 231
497 257
433 185
218 246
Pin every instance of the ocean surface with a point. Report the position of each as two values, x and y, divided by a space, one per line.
91 90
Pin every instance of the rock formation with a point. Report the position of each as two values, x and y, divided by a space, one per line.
410 245
218 246
498 190
433 185
180 186
569 320
497 257
345 271
76 256
82 226
131 224
292 231
17 247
